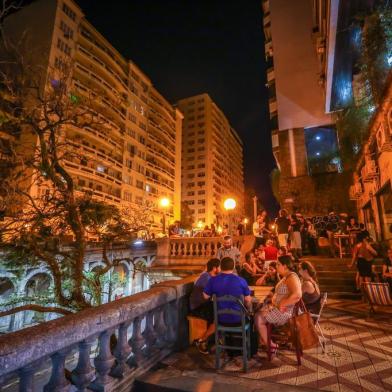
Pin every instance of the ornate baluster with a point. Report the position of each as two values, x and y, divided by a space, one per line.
149 334
26 378
103 362
193 249
213 249
121 351
137 342
200 249
176 249
188 249
58 382
170 319
171 249
160 328
83 374
182 249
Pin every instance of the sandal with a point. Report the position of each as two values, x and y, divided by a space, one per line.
202 346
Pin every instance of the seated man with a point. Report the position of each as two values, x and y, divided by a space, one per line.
227 283
201 307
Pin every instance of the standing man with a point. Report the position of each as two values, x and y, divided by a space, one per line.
240 228
202 308
258 231
228 250
282 227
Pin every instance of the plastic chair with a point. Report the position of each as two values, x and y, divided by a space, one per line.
316 318
241 331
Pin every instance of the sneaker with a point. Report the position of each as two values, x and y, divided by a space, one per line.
202 346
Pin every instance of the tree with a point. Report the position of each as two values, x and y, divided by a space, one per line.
48 219
187 218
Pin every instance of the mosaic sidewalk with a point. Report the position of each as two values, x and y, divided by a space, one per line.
358 355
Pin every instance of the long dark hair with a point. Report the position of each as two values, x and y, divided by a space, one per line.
308 266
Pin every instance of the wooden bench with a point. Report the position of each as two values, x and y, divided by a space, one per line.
197 328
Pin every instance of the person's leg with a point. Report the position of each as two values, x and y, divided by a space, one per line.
261 327
210 331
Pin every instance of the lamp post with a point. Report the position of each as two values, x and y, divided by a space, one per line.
229 205
164 203
246 221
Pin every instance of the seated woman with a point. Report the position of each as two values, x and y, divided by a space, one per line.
310 289
270 278
250 271
287 293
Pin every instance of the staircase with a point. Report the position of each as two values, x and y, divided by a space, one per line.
335 277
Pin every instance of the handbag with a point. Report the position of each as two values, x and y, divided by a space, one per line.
302 328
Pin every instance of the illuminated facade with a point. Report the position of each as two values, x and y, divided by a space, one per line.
133 157
212 162
303 136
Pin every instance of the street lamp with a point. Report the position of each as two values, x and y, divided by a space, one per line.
164 203
229 205
246 221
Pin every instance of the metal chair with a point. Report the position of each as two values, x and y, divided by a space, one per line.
241 331
316 318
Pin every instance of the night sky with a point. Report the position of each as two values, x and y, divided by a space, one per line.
190 47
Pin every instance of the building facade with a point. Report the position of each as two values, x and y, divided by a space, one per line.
212 163
133 157
371 187
303 132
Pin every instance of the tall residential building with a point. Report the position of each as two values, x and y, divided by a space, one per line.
212 162
304 138
134 156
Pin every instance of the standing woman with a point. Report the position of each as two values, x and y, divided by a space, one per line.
363 254
287 293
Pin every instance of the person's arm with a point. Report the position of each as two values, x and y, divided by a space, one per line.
371 249
207 292
248 302
295 293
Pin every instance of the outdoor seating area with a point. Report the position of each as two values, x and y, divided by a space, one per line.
357 357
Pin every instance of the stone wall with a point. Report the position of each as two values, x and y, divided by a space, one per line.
316 195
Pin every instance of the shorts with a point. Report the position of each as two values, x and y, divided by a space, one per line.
205 311
364 268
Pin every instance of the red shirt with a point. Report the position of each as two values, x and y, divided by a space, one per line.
271 253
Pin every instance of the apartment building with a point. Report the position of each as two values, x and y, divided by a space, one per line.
212 162
133 157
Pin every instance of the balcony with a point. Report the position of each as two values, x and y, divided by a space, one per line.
369 171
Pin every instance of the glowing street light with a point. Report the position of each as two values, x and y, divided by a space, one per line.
164 203
246 221
229 204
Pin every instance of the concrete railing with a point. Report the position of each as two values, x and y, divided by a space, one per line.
147 327
194 251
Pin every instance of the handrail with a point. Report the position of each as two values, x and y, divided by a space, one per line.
161 309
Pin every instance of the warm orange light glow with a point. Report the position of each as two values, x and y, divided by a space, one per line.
229 204
164 202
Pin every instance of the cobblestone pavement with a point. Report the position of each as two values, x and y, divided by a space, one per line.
358 355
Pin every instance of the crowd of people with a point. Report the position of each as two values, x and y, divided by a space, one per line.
265 265
274 261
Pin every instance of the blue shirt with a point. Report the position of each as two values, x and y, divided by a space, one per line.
228 284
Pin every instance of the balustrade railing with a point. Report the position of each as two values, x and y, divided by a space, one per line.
125 338
194 250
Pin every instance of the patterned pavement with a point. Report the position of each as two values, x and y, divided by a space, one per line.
358 355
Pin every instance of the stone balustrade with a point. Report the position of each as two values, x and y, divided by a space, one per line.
194 251
125 338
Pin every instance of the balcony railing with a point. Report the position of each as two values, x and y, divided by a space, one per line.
369 171
125 338
355 191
